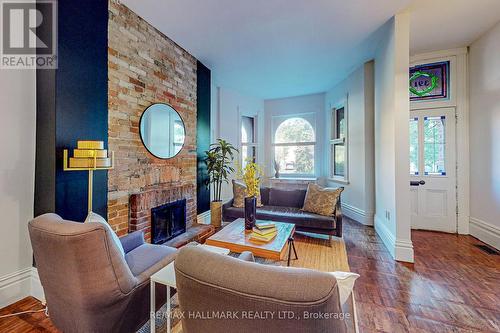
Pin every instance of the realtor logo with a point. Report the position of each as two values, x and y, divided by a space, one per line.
29 34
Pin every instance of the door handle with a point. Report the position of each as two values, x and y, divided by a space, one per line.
421 182
417 183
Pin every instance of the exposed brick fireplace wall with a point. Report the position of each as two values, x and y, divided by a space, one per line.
146 67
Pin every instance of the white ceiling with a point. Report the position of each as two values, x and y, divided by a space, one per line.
447 24
281 48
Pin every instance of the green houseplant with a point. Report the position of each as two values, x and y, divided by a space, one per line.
219 159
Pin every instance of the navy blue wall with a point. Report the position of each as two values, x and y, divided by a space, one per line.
202 136
73 102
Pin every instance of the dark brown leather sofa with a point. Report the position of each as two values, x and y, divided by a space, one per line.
285 206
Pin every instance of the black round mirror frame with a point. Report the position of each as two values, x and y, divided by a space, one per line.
140 131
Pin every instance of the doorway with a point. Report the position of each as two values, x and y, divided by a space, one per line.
433 191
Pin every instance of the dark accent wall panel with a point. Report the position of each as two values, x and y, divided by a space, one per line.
45 156
203 136
72 105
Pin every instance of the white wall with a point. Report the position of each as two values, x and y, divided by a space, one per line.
17 168
230 107
314 104
484 71
392 208
358 198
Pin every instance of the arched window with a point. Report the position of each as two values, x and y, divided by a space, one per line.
294 142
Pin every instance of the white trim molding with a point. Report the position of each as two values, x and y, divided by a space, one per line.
36 286
15 286
357 214
438 54
400 249
18 285
485 232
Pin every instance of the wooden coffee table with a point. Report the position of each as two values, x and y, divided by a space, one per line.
234 238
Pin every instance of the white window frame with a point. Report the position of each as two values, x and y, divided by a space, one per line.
334 141
250 145
284 118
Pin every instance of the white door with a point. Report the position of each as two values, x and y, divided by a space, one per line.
433 169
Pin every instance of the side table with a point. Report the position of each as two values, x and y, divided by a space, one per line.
166 276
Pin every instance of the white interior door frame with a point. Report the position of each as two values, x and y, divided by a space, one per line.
434 199
459 99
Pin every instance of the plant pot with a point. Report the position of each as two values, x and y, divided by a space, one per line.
250 213
216 213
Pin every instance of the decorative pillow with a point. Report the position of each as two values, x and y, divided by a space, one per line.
93 217
321 200
239 193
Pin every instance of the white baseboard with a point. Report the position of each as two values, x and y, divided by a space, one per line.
387 237
204 218
36 285
485 232
18 285
400 249
15 286
357 214
404 250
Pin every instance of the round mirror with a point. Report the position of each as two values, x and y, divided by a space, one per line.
162 131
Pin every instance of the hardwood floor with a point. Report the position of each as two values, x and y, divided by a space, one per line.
452 287
34 322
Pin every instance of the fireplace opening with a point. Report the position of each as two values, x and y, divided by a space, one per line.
168 221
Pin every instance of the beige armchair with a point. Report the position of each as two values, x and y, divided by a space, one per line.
89 285
223 294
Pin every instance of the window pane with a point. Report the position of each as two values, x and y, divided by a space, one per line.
247 153
247 130
179 134
294 130
340 124
414 146
434 145
295 159
339 160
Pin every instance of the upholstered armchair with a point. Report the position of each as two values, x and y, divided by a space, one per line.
225 294
89 285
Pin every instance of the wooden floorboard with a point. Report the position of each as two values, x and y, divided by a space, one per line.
452 287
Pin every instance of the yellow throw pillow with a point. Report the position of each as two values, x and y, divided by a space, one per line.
321 200
239 193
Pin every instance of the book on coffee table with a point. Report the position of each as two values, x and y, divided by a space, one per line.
265 225
263 238
264 232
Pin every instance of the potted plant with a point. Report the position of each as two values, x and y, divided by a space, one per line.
219 159
251 175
